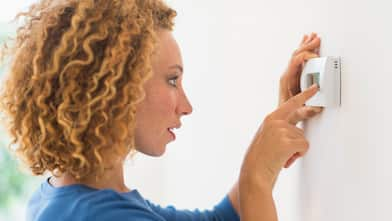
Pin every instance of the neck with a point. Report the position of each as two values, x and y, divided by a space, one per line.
111 179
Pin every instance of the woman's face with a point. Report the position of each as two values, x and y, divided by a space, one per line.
165 102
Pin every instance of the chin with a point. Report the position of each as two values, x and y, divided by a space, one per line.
153 152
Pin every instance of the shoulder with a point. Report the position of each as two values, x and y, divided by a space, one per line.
80 203
110 205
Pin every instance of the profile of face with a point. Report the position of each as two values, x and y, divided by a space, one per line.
165 102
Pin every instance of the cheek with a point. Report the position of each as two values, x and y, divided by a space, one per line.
154 116
156 112
162 103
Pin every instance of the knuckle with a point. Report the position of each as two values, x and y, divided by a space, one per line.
286 141
282 131
268 119
296 114
280 124
294 101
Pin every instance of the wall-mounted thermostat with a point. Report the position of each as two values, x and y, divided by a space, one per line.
324 71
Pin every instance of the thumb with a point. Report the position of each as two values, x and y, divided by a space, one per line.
303 113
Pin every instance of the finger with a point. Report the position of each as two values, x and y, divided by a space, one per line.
294 103
288 164
304 40
291 78
303 113
295 132
302 146
292 132
317 50
284 89
299 145
307 38
309 46
292 160
296 62
312 36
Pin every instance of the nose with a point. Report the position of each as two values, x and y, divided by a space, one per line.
184 107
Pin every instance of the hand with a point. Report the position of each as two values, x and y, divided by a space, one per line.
290 80
276 141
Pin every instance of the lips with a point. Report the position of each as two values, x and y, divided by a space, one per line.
172 133
171 130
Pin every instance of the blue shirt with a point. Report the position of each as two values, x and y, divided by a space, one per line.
79 202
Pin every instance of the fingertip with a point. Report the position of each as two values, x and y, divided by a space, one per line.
304 39
315 109
314 86
312 90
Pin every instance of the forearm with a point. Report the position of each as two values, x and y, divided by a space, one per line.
235 198
256 202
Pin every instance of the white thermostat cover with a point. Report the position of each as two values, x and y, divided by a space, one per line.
325 71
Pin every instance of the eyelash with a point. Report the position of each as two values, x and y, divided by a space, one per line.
173 78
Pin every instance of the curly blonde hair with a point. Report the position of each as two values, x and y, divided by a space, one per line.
76 76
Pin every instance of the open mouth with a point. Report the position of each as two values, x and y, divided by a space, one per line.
172 133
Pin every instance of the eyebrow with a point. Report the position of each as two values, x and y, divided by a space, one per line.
177 66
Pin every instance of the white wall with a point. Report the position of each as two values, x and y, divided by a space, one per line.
9 9
232 66
234 53
346 175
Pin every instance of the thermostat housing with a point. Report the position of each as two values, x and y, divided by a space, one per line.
324 71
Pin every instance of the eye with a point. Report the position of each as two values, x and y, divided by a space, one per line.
173 81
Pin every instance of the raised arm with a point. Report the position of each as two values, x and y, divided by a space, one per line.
256 190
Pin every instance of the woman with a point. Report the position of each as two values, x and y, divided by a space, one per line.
94 81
